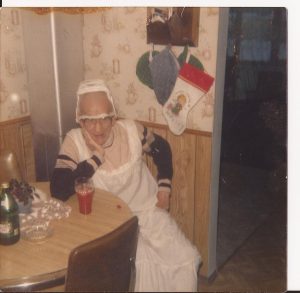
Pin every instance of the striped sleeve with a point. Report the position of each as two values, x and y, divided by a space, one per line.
68 168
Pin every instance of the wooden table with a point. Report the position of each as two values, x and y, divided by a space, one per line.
39 265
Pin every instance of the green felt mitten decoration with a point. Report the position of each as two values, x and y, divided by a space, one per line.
143 71
192 60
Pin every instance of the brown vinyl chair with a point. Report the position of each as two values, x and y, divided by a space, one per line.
105 264
9 167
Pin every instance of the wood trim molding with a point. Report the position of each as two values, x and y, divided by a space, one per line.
165 127
24 119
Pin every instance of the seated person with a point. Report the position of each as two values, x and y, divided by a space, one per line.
109 150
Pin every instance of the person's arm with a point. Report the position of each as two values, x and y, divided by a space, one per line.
159 149
68 168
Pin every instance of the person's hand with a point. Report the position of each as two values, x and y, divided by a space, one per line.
92 145
163 200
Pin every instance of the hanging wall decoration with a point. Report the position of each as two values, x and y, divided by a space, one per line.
185 56
178 83
173 25
190 86
143 70
164 70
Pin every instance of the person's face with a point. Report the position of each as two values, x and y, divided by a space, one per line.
95 104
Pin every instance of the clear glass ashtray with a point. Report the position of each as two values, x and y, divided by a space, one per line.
37 231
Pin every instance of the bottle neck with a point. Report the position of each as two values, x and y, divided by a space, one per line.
8 202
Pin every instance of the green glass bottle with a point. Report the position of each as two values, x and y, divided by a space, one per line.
9 217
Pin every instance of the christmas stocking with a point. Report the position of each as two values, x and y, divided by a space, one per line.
191 84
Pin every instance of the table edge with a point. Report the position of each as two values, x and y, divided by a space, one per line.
38 282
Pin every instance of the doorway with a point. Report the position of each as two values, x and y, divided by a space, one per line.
253 149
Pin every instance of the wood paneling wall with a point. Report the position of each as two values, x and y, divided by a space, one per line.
16 135
190 198
202 198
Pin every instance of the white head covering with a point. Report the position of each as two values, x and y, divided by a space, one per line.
90 86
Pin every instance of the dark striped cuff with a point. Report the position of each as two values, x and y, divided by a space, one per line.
164 185
96 160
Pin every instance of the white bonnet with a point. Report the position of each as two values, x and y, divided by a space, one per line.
90 86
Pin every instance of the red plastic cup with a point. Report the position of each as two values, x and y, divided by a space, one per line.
85 191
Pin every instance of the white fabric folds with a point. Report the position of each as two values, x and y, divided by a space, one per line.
166 261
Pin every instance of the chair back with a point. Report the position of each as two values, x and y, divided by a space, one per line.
106 263
9 167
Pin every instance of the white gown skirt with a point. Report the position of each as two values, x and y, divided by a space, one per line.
165 260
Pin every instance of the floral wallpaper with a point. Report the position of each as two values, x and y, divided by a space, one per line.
13 76
113 41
